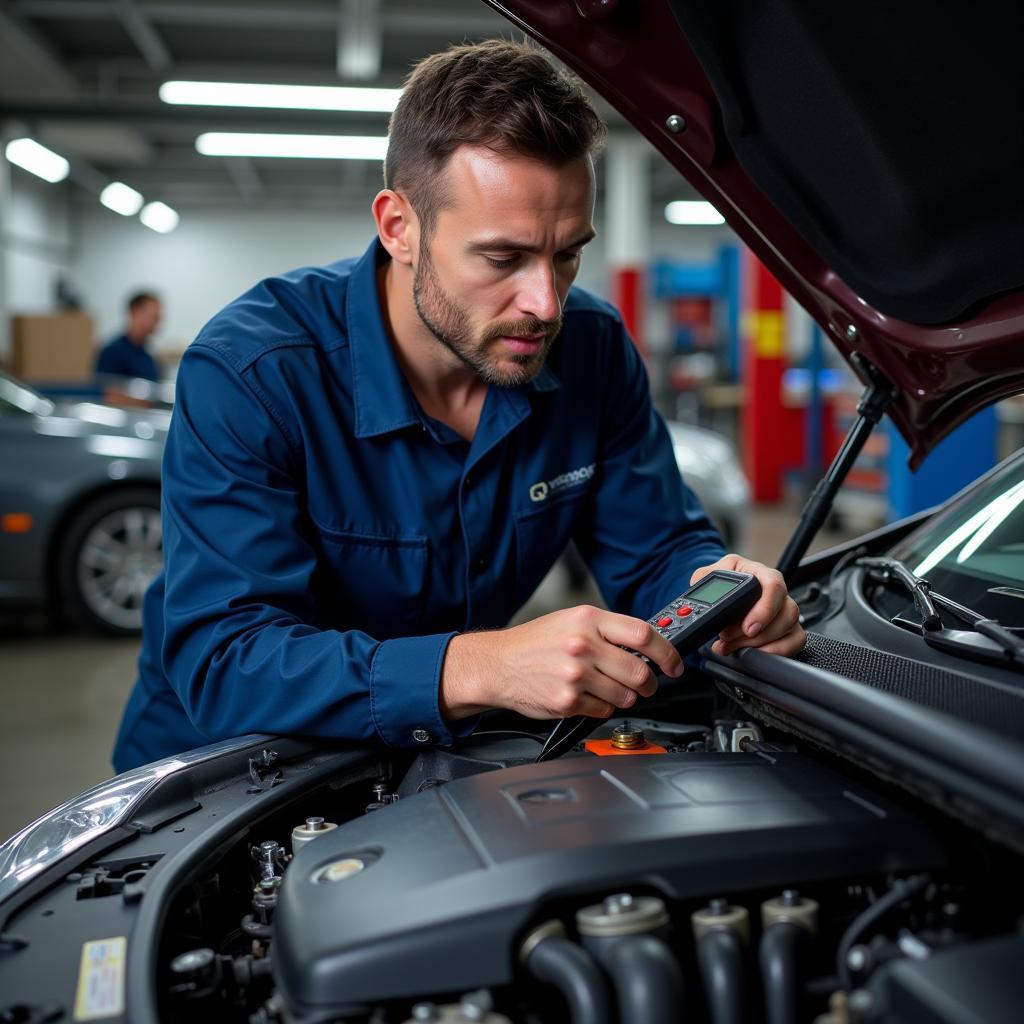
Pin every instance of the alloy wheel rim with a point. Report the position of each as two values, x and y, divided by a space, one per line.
119 557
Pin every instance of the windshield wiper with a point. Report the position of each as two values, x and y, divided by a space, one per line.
921 589
987 638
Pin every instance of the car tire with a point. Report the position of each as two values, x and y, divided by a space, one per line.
111 551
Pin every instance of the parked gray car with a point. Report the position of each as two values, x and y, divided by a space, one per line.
80 502
79 506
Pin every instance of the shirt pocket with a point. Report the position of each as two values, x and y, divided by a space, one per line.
375 583
542 534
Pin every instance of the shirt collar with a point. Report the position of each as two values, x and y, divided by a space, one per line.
382 397
383 401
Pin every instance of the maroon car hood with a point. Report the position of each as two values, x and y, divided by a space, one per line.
870 154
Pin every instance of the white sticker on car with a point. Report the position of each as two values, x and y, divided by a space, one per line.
101 979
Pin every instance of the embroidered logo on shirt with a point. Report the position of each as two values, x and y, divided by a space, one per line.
575 477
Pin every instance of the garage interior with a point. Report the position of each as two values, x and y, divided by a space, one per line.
726 350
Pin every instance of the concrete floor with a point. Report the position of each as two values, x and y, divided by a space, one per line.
63 692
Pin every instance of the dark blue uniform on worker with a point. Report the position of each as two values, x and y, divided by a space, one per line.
324 538
123 358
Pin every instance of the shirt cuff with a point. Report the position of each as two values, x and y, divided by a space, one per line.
405 678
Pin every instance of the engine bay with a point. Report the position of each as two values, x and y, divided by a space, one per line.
734 877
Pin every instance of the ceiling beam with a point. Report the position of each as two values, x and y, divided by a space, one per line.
144 36
294 15
29 63
221 118
360 46
246 178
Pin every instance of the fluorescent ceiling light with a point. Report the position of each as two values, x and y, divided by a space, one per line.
692 212
159 216
311 147
117 196
292 97
30 156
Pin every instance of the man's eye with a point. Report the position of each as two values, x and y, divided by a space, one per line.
506 262
569 257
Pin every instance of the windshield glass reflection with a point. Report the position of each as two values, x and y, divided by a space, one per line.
975 552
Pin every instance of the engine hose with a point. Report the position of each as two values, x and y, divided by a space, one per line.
720 955
779 953
901 890
647 978
569 968
255 929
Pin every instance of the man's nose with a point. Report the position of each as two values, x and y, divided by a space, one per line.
539 296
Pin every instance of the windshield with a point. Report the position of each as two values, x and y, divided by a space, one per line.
974 553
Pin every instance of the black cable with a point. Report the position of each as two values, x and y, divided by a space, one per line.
507 732
902 889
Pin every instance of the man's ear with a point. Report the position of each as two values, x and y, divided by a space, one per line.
397 225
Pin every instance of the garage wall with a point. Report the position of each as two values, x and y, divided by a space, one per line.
214 255
36 246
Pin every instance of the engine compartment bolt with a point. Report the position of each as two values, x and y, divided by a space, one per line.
475 1006
675 123
718 906
620 903
858 959
790 898
425 1011
379 790
314 824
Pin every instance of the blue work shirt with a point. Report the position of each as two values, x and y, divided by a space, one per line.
123 358
324 538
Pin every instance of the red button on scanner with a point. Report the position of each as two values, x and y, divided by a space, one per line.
685 610
666 621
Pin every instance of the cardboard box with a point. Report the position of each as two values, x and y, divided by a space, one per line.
58 348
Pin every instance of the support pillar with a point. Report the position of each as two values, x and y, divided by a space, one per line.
627 214
766 446
5 227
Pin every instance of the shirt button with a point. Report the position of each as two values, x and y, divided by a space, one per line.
480 564
421 735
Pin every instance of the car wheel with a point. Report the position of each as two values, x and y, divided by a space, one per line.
112 551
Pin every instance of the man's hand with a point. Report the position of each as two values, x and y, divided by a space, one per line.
567 663
773 624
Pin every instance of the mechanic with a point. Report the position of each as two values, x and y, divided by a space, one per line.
126 355
371 465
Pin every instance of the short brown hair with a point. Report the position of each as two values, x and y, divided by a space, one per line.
140 299
503 95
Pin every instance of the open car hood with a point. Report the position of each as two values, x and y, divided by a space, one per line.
871 155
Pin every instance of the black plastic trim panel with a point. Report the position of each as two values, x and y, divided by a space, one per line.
952 764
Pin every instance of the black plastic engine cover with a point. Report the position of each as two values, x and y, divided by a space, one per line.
456 875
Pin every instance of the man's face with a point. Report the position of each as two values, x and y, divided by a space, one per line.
491 279
145 319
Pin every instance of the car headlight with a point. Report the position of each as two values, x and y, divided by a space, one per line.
84 818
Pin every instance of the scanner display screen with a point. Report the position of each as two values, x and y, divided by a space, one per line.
713 589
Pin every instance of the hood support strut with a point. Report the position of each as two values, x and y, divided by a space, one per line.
873 403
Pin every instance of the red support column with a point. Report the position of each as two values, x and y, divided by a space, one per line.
764 430
627 287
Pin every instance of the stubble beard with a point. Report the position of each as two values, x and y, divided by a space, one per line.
449 323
